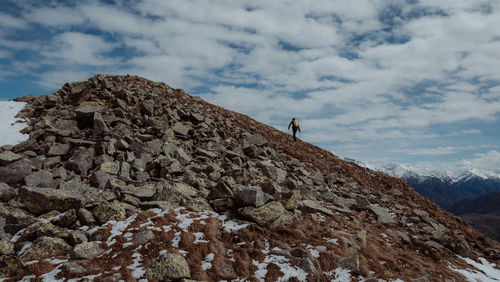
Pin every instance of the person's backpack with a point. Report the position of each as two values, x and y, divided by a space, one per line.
295 123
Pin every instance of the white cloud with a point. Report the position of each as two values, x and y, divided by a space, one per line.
56 79
81 48
55 16
8 21
338 66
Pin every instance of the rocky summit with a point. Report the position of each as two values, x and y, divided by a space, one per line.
127 179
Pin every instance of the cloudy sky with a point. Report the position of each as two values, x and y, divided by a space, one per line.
405 80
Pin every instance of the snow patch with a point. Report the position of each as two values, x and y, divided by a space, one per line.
9 126
207 262
488 271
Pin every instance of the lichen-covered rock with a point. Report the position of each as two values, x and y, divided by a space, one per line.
46 247
88 250
15 173
168 266
350 263
41 200
6 247
106 211
271 214
9 265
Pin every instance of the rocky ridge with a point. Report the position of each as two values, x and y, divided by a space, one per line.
125 178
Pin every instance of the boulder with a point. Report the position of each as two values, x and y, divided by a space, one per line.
46 247
107 211
6 248
6 192
252 196
99 179
41 200
220 191
143 236
312 206
181 130
81 161
273 172
100 127
382 213
15 172
10 266
8 157
350 263
88 250
271 214
256 139
86 217
58 149
168 266
85 114
40 178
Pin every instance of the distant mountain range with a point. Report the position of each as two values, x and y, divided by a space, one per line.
470 193
445 187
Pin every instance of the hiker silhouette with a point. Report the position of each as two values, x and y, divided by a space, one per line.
295 126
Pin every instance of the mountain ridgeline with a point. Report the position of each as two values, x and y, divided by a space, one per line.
123 178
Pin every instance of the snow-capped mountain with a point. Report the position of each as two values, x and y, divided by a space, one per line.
447 174
445 186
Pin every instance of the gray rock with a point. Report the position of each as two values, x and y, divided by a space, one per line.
99 179
252 196
8 157
124 174
168 266
86 217
100 127
181 130
41 200
206 153
382 213
15 173
58 149
256 139
143 236
273 172
88 250
181 156
41 178
221 190
7 193
312 206
81 161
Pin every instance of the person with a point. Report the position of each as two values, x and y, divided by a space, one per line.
295 126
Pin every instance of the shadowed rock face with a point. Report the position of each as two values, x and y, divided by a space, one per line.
125 178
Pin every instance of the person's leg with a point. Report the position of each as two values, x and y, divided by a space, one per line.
294 132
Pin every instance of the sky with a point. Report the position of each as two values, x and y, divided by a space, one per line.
406 81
